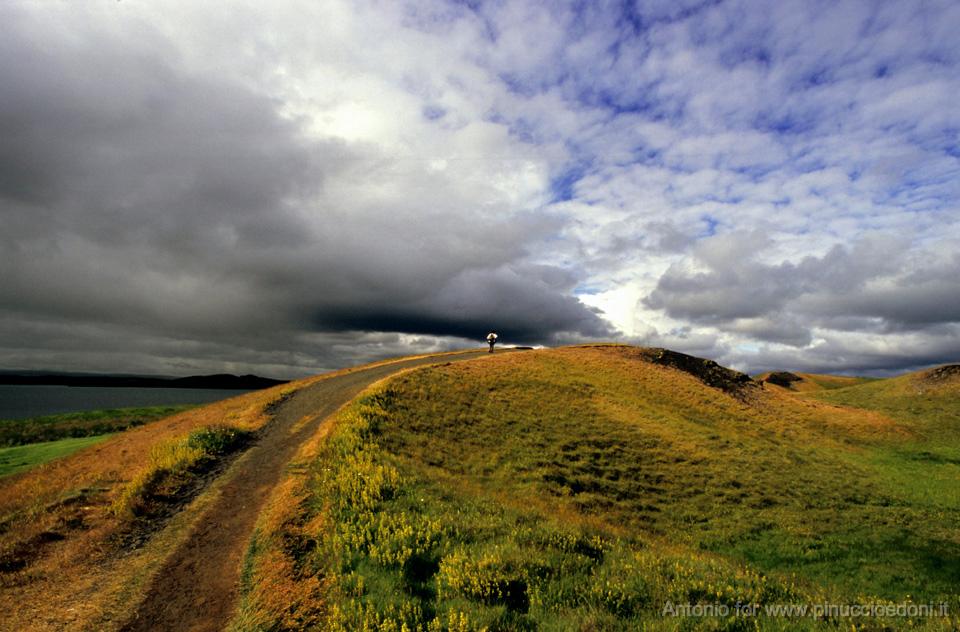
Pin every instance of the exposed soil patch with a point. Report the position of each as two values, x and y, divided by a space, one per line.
707 371
65 518
22 554
783 378
198 586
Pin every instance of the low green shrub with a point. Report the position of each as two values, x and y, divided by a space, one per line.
217 440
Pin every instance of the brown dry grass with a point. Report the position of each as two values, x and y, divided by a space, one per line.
71 498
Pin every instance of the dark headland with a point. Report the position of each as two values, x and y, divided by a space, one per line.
218 381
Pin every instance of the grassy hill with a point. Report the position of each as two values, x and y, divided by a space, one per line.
582 488
604 488
925 465
809 382
926 401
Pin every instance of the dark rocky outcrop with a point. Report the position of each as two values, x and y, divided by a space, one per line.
942 373
783 378
707 371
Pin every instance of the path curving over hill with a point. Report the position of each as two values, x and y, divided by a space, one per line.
197 587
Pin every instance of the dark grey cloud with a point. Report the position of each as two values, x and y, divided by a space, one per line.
855 355
160 215
874 285
78 346
909 302
528 303
778 327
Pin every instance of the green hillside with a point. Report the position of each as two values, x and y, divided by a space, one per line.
606 488
926 401
925 464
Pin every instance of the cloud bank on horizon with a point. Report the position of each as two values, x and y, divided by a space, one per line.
297 186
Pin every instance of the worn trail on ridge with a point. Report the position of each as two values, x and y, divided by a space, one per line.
197 587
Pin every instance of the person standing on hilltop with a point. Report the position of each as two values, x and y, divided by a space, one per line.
491 340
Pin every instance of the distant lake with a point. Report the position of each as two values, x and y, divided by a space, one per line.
20 402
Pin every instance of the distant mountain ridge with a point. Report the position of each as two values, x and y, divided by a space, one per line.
217 381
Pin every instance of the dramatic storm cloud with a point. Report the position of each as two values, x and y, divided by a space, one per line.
291 187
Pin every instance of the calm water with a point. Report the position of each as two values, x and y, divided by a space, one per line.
19 402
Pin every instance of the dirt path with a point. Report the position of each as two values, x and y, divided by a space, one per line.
197 587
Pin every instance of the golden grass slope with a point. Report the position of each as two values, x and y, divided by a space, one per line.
766 496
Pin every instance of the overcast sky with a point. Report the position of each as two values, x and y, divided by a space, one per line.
288 187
